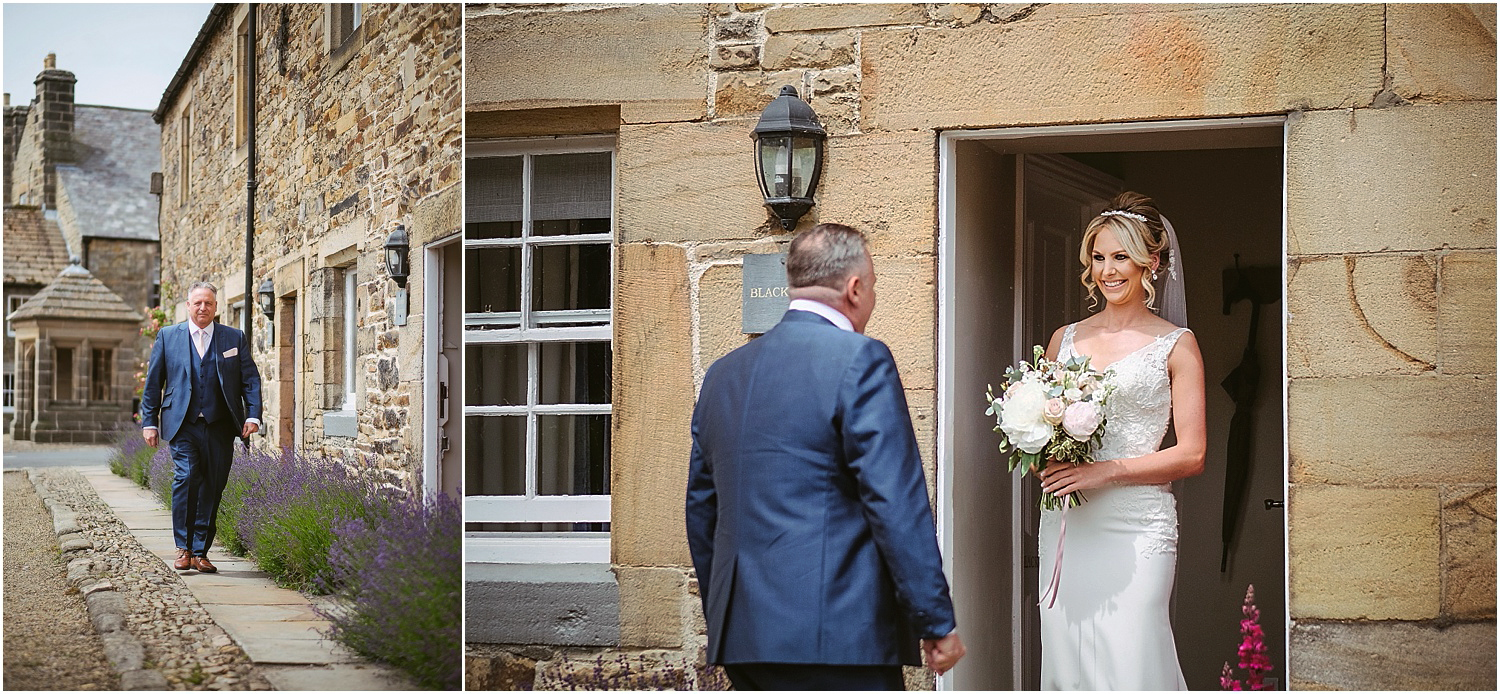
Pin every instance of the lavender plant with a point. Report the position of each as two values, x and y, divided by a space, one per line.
320 524
402 579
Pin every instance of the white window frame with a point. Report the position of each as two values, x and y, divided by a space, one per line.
13 302
351 332
512 328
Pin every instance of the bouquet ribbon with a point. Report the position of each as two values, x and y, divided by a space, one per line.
1062 533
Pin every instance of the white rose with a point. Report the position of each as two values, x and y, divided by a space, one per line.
1021 416
1081 419
1073 394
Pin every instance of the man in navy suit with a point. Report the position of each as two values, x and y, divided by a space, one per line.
807 511
202 390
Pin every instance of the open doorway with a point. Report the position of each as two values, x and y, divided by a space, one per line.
1013 206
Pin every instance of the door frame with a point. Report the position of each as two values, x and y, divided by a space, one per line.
434 279
947 324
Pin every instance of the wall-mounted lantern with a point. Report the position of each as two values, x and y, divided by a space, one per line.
265 295
397 246
397 250
789 156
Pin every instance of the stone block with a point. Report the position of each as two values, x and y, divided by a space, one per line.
720 294
922 407
554 604
1174 61
815 17
807 51
1392 430
905 314
687 182
745 95
1469 552
651 606
500 672
737 56
1466 313
1440 53
1392 656
613 55
653 396
957 14
1395 179
884 184
580 120
1360 553
1362 315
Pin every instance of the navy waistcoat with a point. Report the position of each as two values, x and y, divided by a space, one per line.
208 398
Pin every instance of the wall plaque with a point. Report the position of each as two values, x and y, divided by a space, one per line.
765 298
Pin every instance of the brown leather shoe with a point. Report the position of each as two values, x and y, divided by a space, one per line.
202 565
184 560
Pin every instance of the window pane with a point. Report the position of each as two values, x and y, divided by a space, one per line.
573 454
492 190
496 375
496 451
570 277
571 186
492 230
564 227
574 372
493 277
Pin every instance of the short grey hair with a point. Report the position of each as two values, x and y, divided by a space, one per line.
204 285
825 256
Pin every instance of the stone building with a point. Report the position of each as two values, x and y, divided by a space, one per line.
77 183
350 116
1332 163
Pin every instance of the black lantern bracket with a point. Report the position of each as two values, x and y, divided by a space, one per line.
789 143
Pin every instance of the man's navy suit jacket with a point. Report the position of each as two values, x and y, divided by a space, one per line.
169 378
807 511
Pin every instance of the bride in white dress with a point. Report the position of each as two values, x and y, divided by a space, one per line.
1109 627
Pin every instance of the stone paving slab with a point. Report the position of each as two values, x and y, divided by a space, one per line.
334 678
276 627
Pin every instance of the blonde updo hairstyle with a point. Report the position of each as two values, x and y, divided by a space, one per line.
1140 240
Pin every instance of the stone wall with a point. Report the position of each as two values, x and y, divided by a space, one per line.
347 150
1391 252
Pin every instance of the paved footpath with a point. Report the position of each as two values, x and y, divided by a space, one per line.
276 628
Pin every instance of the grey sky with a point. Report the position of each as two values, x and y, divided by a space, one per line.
122 54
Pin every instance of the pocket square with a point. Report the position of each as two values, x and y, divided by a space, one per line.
231 352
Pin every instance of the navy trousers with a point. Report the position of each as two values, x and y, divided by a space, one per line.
790 677
201 453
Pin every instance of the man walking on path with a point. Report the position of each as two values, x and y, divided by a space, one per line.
202 390
807 511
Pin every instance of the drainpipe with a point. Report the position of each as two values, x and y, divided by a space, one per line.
250 182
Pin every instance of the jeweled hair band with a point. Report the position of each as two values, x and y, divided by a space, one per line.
1123 213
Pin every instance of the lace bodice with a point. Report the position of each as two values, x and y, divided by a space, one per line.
1138 412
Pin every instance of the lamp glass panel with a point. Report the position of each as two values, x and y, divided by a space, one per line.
775 166
804 158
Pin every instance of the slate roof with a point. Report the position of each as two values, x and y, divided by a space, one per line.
108 184
76 293
34 248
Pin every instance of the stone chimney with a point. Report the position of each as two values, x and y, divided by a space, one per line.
53 120
15 124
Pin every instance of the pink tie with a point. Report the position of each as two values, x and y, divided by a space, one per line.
202 347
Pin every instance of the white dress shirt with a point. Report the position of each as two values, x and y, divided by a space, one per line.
824 310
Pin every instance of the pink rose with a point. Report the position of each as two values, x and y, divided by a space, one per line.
1053 411
1081 420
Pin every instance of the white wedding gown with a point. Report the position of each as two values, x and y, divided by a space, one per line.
1110 629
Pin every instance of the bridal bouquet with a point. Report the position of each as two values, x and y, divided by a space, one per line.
1050 409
